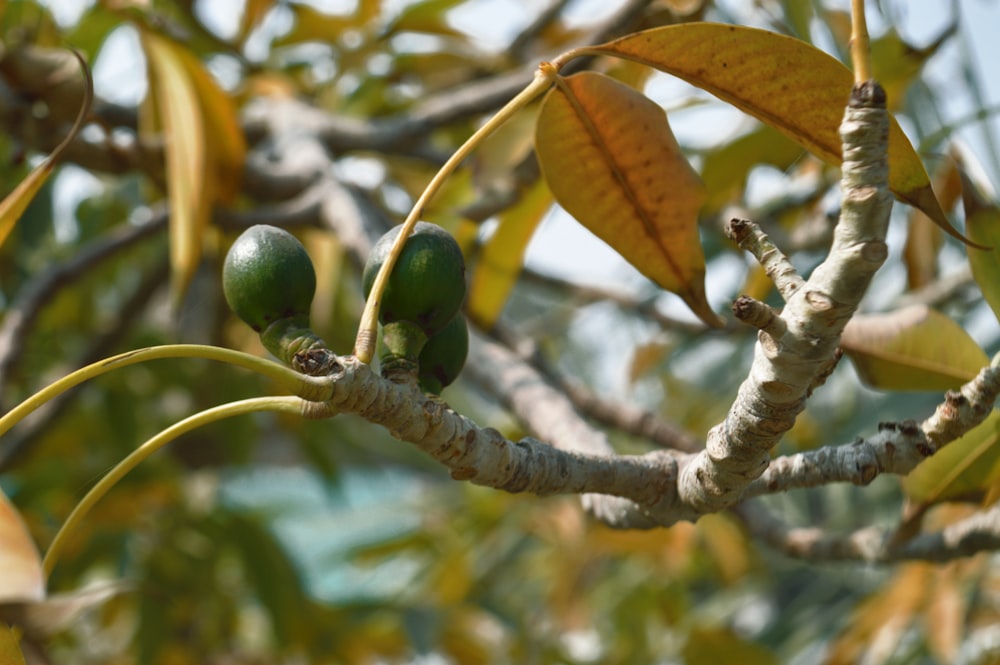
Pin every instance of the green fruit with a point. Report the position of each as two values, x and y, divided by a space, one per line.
268 276
443 356
269 282
427 284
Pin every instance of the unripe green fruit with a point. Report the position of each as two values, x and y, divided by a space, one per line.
443 356
427 284
268 276
269 282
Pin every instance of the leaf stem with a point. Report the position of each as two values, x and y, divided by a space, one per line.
286 404
364 344
304 386
860 46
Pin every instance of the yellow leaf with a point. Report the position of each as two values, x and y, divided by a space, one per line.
879 623
783 82
15 203
612 162
961 469
21 576
500 261
205 149
10 650
944 619
982 223
915 348
184 130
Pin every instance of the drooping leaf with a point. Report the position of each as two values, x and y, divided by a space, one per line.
915 348
883 617
961 469
786 83
612 162
15 203
982 223
184 131
500 261
21 575
923 238
205 149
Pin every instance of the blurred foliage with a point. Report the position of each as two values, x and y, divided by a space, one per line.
273 540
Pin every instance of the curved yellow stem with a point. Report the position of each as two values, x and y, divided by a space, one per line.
861 56
364 344
304 386
287 404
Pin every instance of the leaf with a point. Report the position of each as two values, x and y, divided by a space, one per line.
786 83
982 223
10 650
881 621
312 25
205 149
914 348
21 575
15 203
612 162
726 168
44 618
961 469
184 129
708 646
503 254
896 64
429 16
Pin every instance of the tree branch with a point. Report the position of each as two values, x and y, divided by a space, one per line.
785 370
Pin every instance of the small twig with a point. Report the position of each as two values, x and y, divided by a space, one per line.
749 237
979 532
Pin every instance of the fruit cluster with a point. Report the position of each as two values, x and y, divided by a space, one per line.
269 283
422 326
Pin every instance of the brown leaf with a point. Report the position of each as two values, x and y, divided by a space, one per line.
786 83
612 162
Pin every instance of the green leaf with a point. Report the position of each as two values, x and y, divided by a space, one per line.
915 348
612 162
963 468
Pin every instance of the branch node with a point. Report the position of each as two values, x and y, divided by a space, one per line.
868 95
759 315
